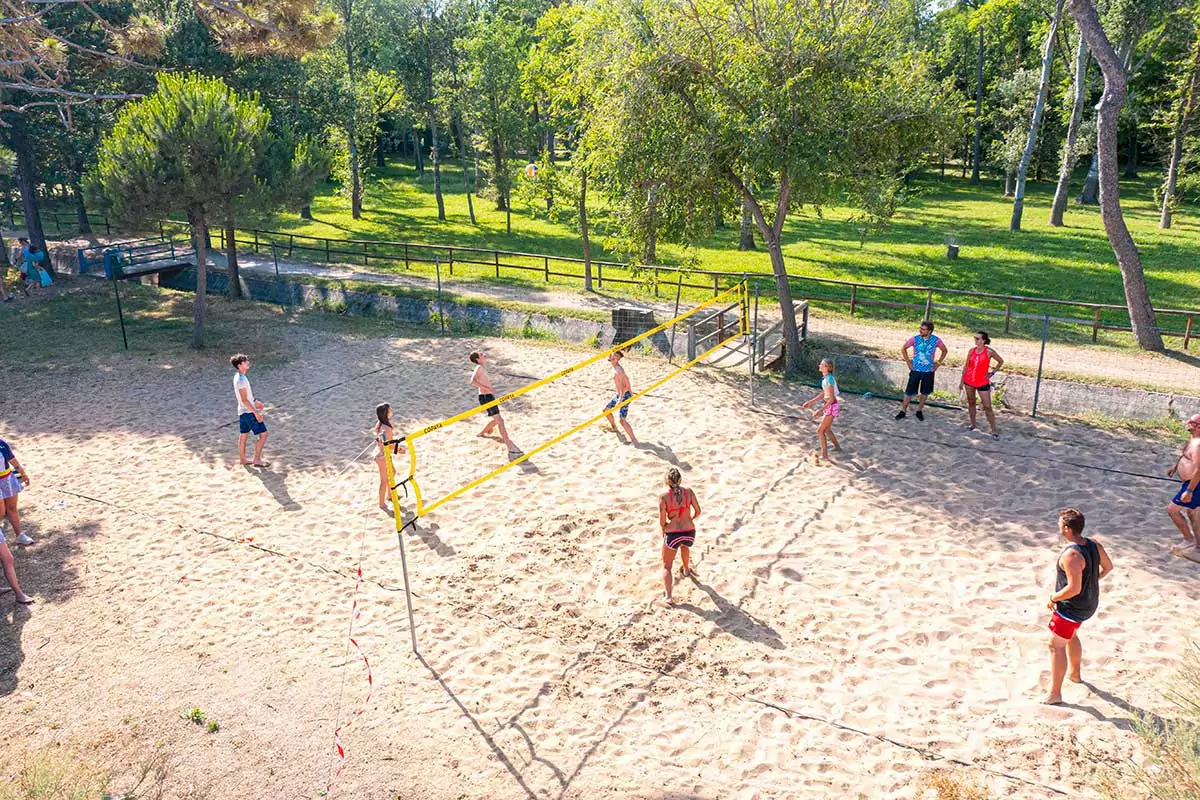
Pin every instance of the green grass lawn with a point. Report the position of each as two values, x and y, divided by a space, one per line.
1070 263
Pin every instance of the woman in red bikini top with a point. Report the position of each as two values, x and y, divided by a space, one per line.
977 379
677 512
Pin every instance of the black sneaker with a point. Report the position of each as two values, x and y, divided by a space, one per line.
900 415
921 416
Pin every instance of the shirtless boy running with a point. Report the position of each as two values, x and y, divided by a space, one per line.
1184 509
624 392
483 382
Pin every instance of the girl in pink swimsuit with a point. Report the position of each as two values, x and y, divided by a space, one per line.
677 512
977 379
829 409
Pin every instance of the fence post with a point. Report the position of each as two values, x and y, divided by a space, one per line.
451 251
1187 333
1007 314
546 267
804 325
107 227
162 231
364 254
496 254
1096 324
326 251
929 306
754 345
406 255
291 243
691 341
437 264
853 298
600 275
716 285
1037 387
256 250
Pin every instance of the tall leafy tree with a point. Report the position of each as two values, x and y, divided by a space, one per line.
1035 125
1070 152
790 102
495 105
1137 297
1185 109
191 147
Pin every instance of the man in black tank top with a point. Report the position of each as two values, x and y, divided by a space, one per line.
1076 596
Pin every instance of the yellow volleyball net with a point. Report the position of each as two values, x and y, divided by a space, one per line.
710 326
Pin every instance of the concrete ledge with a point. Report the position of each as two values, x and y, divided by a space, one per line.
460 318
1063 397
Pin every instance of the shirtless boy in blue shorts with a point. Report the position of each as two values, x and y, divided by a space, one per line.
624 392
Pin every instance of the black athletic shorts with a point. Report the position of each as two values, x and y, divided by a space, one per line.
494 411
987 387
919 383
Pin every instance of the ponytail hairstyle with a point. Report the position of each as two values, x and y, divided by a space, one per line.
983 335
828 362
381 411
674 479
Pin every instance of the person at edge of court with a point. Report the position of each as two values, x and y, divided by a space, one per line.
1184 508
1078 572
928 353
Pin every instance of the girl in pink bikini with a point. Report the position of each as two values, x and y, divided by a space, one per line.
829 409
677 512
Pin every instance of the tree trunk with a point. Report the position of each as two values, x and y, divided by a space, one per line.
235 277
1183 117
1035 125
380 162
199 223
718 212
1089 193
27 181
977 145
771 234
437 168
550 145
650 245
1137 298
467 160
352 121
501 178
583 229
81 215
1008 192
306 212
1131 165
1059 206
418 156
746 237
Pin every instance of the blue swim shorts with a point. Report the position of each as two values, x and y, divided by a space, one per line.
620 399
1193 503
248 423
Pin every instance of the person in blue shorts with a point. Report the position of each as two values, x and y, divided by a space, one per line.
1184 508
928 353
250 413
624 393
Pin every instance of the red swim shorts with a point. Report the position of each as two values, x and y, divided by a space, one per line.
1062 627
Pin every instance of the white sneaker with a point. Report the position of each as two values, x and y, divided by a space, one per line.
23 539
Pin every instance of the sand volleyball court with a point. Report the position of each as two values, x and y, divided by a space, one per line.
852 626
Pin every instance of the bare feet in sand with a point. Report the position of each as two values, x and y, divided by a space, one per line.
1075 677
1053 700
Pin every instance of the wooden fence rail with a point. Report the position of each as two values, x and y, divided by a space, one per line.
828 291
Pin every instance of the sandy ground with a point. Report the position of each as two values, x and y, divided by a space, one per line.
852 627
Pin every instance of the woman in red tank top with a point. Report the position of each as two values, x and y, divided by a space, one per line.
977 379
